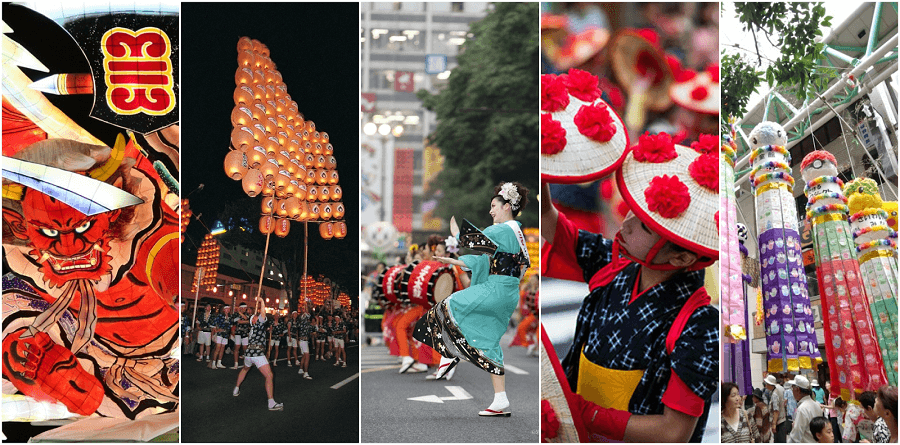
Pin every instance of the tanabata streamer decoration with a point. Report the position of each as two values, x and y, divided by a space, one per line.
790 335
89 322
850 342
876 249
730 261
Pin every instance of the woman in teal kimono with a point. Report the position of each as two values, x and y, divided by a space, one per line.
469 324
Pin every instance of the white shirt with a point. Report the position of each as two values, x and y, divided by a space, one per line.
806 411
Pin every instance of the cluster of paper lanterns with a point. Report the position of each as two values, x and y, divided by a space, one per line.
186 215
207 258
277 153
344 299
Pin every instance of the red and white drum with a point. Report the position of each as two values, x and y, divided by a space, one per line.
390 282
429 283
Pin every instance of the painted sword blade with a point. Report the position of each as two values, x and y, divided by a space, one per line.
83 193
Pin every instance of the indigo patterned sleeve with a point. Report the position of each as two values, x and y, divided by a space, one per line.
593 252
695 357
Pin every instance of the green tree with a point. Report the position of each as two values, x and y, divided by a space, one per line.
793 29
488 115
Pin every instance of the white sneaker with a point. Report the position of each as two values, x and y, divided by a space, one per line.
307 377
236 392
277 407
344 365
289 364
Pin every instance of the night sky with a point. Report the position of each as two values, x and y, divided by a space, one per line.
315 46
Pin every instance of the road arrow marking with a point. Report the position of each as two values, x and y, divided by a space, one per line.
515 370
458 394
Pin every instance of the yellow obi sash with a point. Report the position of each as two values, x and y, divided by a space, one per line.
608 388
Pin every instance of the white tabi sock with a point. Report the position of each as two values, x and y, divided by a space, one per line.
500 401
271 403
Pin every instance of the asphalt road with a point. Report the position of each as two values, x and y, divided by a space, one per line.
315 410
447 410
560 302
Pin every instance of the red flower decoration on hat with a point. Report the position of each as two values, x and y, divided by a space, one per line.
655 148
668 196
582 85
716 217
595 122
554 96
707 143
705 170
699 93
713 71
650 35
616 99
553 135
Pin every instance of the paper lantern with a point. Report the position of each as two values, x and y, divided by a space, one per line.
281 207
253 182
322 176
292 205
326 230
271 126
268 188
268 205
330 162
269 168
312 193
338 210
259 92
340 230
244 43
282 227
329 150
242 138
311 176
320 161
307 149
256 156
304 211
258 110
324 137
301 191
333 177
271 145
270 92
246 59
324 193
292 146
337 193
243 95
260 79
314 210
266 224
241 116
236 164
282 179
325 211
243 76
317 148
310 125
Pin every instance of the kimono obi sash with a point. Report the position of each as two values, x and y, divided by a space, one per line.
608 388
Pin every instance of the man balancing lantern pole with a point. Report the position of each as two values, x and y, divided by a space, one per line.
647 324
256 356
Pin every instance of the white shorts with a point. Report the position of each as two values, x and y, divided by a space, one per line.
338 343
320 340
221 340
304 346
241 341
258 361
292 342
274 342
330 339
203 337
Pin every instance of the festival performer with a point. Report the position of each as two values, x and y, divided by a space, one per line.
241 323
526 332
321 334
204 333
304 339
414 356
256 357
469 324
644 358
276 331
339 331
293 325
222 328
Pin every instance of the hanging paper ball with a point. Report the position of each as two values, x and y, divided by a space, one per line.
340 230
326 230
282 227
253 182
236 164
266 224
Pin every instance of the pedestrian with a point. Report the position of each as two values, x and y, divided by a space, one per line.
807 410
762 416
859 419
470 323
790 404
886 408
833 412
821 430
777 408
644 361
255 356
818 392
737 426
